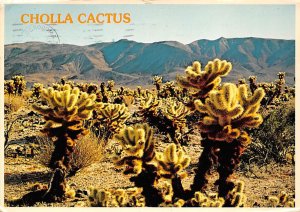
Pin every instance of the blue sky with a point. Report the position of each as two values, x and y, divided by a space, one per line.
152 23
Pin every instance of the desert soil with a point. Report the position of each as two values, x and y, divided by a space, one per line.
22 173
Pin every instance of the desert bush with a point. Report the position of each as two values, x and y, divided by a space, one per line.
13 103
86 152
275 139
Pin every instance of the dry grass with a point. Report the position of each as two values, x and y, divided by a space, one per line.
87 151
13 103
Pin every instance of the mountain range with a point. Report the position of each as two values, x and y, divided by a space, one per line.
132 63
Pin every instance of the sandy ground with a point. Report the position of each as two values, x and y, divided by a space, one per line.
22 173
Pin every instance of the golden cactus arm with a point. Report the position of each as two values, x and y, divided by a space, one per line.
170 154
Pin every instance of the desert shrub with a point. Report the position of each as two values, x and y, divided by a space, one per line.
275 139
87 151
13 103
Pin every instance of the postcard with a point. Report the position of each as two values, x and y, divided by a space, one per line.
149 105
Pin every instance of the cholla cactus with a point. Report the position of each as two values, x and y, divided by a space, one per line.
56 86
64 114
280 83
138 146
281 200
112 117
9 87
253 84
172 162
149 104
237 197
116 198
168 90
88 87
242 81
228 112
157 82
15 86
201 82
176 112
110 85
37 89
100 198
147 166
210 200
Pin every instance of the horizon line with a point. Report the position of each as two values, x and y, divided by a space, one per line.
205 39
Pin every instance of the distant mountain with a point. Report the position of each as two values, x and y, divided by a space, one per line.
130 62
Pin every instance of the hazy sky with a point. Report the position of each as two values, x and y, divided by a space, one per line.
151 23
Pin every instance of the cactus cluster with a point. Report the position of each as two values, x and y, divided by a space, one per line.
276 92
149 104
110 85
15 86
88 87
116 198
149 166
176 112
281 200
210 200
224 114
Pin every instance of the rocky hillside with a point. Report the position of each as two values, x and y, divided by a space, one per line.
130 62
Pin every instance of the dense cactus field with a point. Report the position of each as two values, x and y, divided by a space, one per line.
193 142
